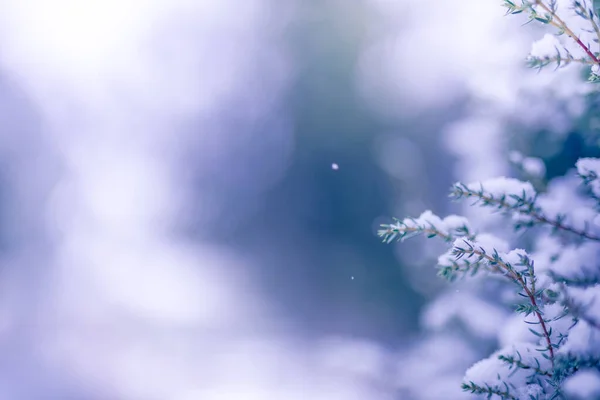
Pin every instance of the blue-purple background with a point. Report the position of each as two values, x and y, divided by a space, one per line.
171 226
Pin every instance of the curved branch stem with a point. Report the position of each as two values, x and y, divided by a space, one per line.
517 278
560 24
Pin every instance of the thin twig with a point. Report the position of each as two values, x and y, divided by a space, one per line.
560 24
541 218
515 277
592 20
531 295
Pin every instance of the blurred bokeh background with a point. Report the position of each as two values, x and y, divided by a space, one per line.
190 189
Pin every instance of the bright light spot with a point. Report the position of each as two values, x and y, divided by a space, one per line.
335 167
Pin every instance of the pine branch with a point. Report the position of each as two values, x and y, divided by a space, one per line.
518 363
488 390
568 364
519 204
494 262
559 60
498 265
556 21
588 15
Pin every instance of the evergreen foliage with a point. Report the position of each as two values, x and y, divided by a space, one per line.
551 281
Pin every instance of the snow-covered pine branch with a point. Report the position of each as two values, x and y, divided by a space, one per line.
575 37
558 300
549 344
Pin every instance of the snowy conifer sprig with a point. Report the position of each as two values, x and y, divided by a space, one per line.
576 19
428 224
467 257
489 391
521 202
557 301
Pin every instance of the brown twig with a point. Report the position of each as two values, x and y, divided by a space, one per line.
560 24
514 276
517 278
